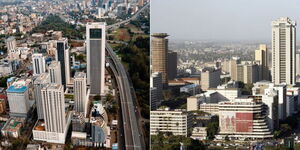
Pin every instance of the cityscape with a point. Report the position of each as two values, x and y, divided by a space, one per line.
222 94
68 80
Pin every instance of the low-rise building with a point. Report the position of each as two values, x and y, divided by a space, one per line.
12 127
165 120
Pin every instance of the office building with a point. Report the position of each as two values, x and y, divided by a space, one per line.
156 90
38 63
95 42
41 81
176 122
172 65
63 56
298 64
18 99
159 55
80 92
233 63
210 78
283 51
11 45
57 117
242 119
55 72
247 72
261 56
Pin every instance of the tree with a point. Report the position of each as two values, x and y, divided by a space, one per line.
212 128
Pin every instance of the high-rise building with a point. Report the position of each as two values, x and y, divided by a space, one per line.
18 99
210 78
95 41
41 81
63 56
233 67
11 45
55 72
176 122
261 56
283 51
172 65
38 63
54 108
298 64
247 72
80 92
156 90
159 55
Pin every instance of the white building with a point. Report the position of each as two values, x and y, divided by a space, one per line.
242 119
41 81
95 42
283 51
11 45
80 92
57 117
176 122
38 63
18 99
55 72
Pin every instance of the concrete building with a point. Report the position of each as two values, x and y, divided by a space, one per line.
18 99
63 56
298 64
80 92
247 72
191 89
11 45
242 119
283 51
199 133
55 72
260 88
157 90
159 55
57 117
172 65
210 78
261 56
176 122
41 81
12 127
38 63
95 42
233 67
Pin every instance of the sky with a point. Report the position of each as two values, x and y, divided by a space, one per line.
224 20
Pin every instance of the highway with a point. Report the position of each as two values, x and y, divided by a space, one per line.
133 134
133 17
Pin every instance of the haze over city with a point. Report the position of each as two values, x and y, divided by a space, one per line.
229 20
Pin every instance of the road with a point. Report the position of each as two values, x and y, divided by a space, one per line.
134 139
133 17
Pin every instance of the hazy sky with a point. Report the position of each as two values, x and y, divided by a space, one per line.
233 20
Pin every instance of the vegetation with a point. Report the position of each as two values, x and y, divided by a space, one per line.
246 89
213 128
286 127
54 22
171 142
3 81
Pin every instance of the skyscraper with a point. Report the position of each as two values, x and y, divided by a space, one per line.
298 64
54 108
283 51
159 55
11 45
38 63
63 56
41 81
95 41
156 90
261 56
55 72
80 91
172 65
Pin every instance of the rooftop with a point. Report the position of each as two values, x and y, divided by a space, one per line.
17 89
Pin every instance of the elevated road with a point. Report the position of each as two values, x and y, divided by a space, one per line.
133 134
133 17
